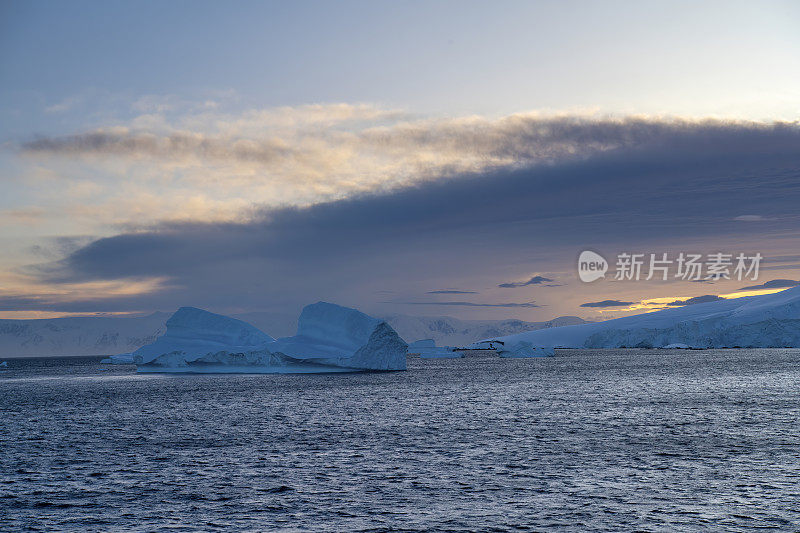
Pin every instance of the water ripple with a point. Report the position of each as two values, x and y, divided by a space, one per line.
595 440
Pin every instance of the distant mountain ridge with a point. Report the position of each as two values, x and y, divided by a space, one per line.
114 335
449 331
762 321
78 335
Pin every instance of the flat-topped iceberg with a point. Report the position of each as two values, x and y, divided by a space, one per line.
119 359
427 349
510 347
330 338
422 343
523 349
766 321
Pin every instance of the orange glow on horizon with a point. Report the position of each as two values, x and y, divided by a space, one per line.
656 304
758 292
41 315
52 295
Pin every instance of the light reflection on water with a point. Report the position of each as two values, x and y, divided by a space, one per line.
597 440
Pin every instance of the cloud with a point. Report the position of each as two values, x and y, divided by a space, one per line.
310 154
773 284
54 248
80 297
607 303
451 291
175 146
696 300
473 304
781 267
784 258
64 105
676 187
752 218
536 280
24 216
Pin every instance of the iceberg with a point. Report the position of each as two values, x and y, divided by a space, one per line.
523 349
330 338
439 352
509 347
766 321
422 343
427 349
119 359
332 335
194 333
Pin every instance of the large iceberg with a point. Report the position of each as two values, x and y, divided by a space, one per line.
330 338
329 334
765 321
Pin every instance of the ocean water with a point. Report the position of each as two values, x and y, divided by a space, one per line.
612 440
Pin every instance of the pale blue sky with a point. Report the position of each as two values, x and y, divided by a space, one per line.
135 124
726 57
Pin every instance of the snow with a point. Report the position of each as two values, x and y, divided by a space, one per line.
677 346
90 335
330 338
771 320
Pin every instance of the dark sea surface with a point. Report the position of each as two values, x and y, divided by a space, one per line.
654 440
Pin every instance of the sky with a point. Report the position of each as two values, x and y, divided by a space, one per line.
424 158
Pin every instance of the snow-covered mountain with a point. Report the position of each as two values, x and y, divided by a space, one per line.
449 331
771 320
110 335
78 335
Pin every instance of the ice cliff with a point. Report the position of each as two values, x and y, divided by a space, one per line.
766 321
330 338
193 333
330 334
